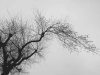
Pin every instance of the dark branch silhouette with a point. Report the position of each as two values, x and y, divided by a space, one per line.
20 41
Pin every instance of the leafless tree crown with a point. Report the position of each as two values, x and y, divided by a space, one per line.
20 41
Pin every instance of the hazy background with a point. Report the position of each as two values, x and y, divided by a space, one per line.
84 15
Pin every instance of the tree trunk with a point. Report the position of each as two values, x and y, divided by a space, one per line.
5 73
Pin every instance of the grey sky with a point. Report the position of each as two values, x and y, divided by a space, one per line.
84 15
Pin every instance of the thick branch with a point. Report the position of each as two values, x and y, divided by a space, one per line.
25 58
19 57
42 35
10 35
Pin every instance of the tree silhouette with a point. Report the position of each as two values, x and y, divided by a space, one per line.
19 41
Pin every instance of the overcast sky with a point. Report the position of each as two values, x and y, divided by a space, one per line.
84 15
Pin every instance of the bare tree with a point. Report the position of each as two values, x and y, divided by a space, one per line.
19 41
